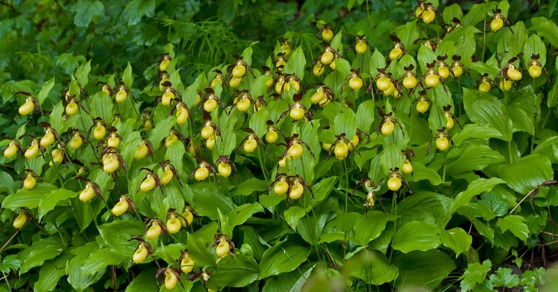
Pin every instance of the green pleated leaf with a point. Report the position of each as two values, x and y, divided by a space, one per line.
372 267
513 43
476 187
377 61
270 201
283 257
336 42
127 77
546 29
249 186
485 109
416 236
335 229
258 122
426 207
79 280
546 148
237 271
199 251
84 213
99 260
476 131
464 38
296 63
227 142
247 54
343 67
408 33
128 148
191 93
452 11
175 79
534 46
423 269
476 14
45 90
175 153
365 115
29 199
345 122
117 234
144 282
322 190
252 238
425 56
55 117
310 229
7 184
173 200
40 251
289 282
522 110
50 200
207 200
527 173
239 215
74 86
170 252
51 272
474 157
421 172
391 157
293 215
457 240
551 7
207 232
482 68
102 106
82 72
161 131
369 227
552 100
259 86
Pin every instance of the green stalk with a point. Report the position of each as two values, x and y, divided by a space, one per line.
315 245
484 40
264 171
346 185
535 130
394 213
444 167
346 205
506 100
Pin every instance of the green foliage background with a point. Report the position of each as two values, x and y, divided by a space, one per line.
466 216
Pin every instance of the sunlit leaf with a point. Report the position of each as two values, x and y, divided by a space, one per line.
457 240
476 187
416 236
45 90
485 109
372 267
515 224
527 173
282 258
423 269
40 251
50 200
